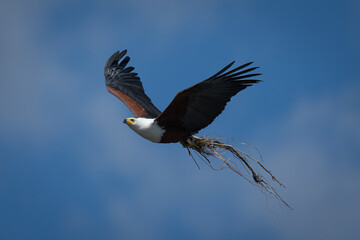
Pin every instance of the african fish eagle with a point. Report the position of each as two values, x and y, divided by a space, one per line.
190 111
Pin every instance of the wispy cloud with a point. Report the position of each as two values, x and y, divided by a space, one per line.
50 93
313 150
33 84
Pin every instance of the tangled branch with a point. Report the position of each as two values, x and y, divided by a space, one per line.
207 148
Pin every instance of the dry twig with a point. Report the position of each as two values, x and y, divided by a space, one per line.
207 148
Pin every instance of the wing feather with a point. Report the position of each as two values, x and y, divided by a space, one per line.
196 107
126 85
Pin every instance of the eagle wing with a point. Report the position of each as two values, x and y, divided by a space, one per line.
196 107
126 85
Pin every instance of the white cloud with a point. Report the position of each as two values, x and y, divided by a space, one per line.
33 84
314 152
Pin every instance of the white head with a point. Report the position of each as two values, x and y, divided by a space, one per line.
145 127
134 123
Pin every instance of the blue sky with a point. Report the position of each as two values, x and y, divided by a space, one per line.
70 169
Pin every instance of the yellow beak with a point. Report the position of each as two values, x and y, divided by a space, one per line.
128 121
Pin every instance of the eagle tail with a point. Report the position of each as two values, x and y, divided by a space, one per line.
229 156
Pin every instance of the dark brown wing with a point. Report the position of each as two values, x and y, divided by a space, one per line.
126 85
198 106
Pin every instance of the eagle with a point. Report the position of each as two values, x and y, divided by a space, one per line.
190 111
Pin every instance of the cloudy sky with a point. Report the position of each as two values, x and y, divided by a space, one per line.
70 169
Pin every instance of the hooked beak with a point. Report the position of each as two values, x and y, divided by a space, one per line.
128 121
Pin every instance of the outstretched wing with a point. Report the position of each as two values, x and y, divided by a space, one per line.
198 106
126 85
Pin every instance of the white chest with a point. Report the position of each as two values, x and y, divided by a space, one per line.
147 128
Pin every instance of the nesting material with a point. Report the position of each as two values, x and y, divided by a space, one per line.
210 149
